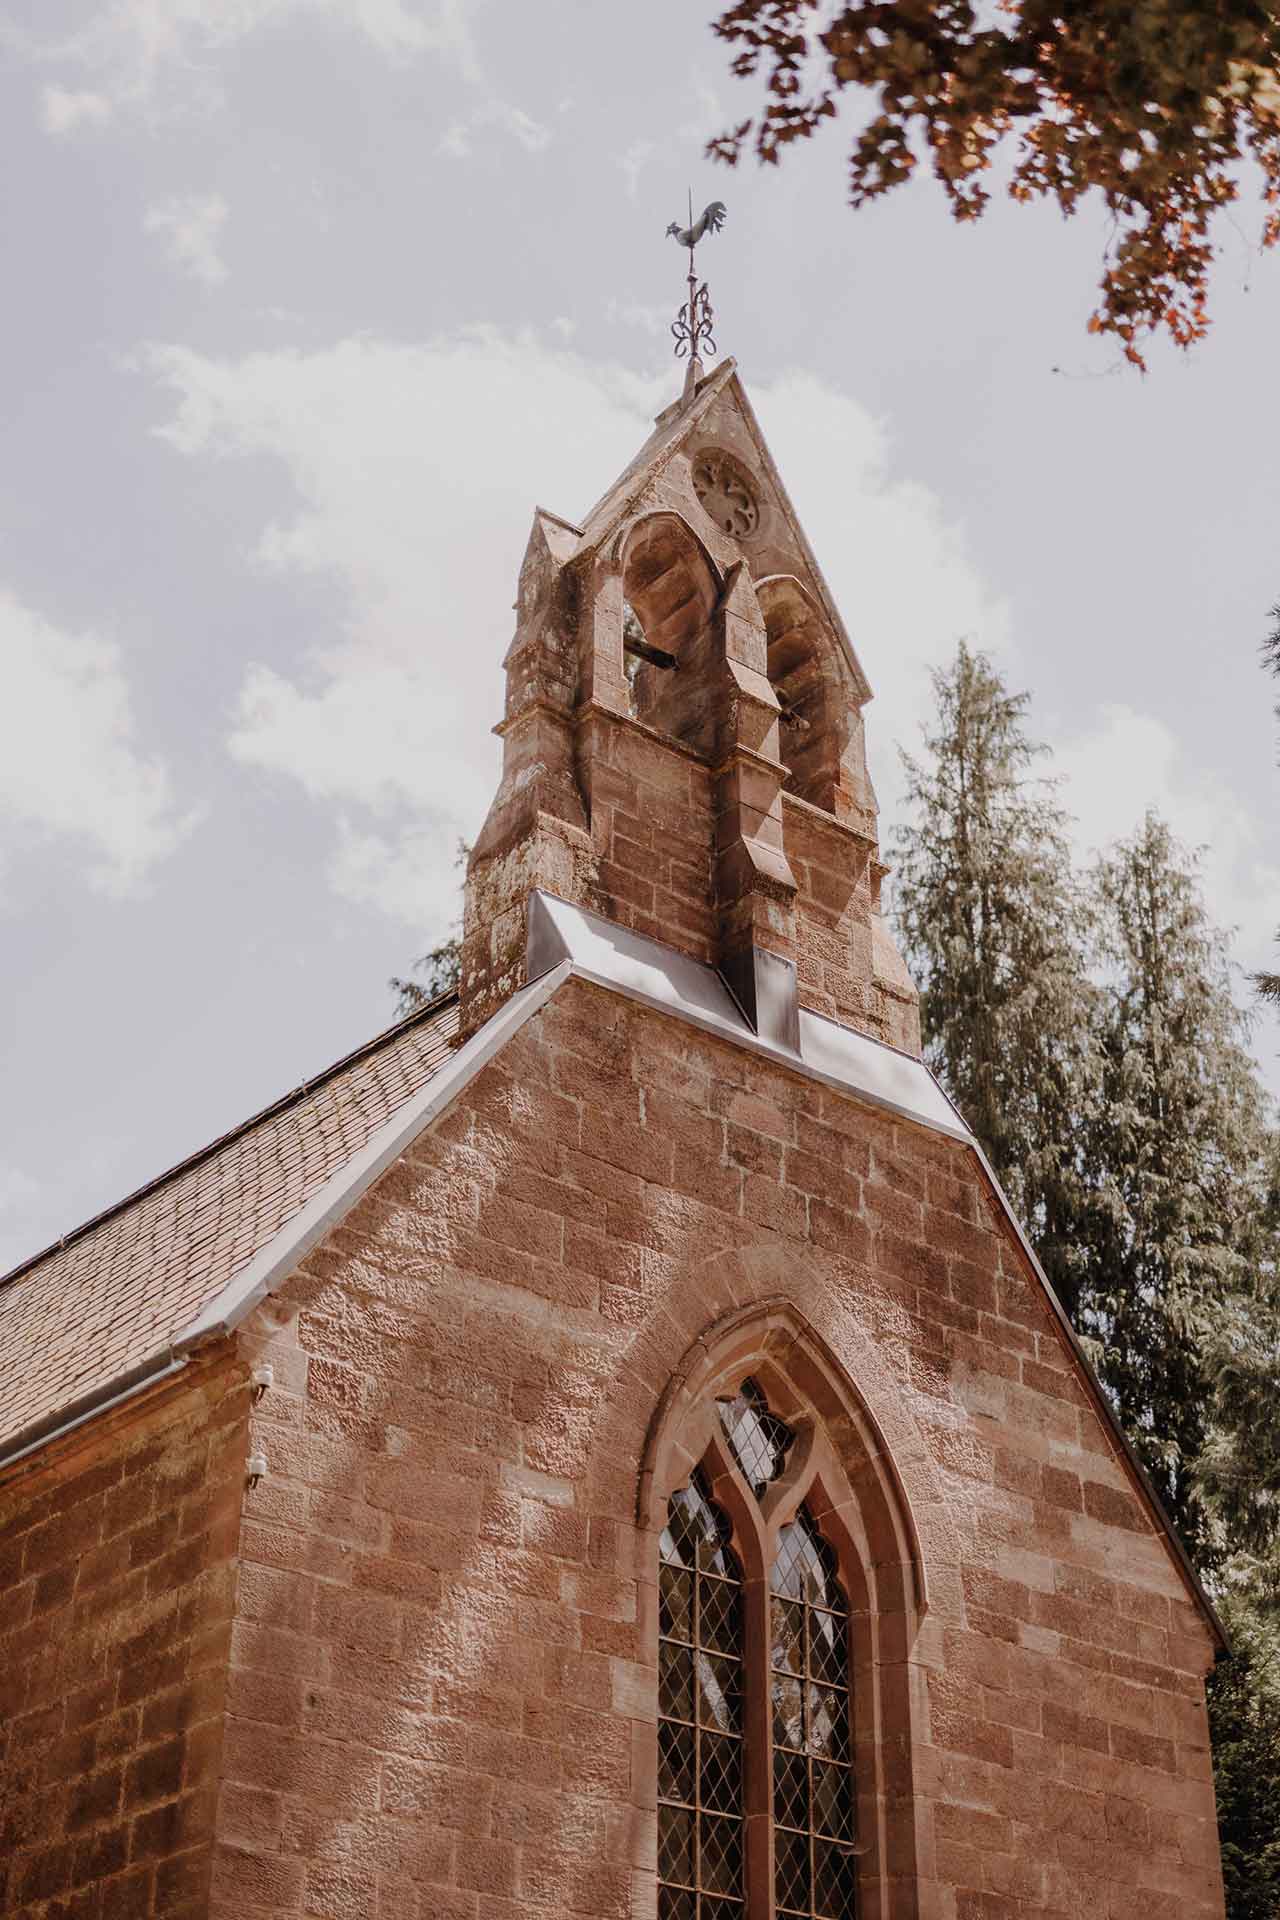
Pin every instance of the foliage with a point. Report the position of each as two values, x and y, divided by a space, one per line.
994 928
438 972
1268 984
1244 1724
1239 1467
1152 104
1178 1142
1109 1023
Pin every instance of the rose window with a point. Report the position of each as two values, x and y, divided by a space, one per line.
726 494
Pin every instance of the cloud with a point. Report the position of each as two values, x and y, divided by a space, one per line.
898 565
1130 761
61 112
160 54
456 141
416 469
633 163
192 225
411 875
68 763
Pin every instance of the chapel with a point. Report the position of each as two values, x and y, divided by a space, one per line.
604 1450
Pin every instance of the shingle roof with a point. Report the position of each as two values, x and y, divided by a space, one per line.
76 1316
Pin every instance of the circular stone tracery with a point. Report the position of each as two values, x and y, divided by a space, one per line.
725 494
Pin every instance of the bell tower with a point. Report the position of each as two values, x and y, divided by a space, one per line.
683 747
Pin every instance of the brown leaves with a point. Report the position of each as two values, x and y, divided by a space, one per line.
1151 103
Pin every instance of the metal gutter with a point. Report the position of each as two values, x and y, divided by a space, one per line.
123 1386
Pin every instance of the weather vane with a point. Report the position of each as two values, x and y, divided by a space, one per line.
692 325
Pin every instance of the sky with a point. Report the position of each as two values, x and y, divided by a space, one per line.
309 303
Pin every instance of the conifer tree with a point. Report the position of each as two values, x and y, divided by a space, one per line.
1244 1726
435 972
1268 984
1179 1140
994 930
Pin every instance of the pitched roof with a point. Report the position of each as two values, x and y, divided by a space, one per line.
74 1318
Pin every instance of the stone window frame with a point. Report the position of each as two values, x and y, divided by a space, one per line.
840 1468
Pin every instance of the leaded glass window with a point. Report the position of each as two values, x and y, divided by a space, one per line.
700 1771
758 1440
813 1799
756 1790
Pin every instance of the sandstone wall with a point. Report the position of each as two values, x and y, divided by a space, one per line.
442 1699
116 1576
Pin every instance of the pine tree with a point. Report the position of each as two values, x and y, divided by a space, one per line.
1244 1726
1268 984
1179 1140
994 929
437 971
1160 1225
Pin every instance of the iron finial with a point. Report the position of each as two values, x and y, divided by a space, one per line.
694 321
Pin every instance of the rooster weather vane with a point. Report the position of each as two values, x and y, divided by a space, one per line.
692 325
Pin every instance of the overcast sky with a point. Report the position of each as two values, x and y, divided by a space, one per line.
307 304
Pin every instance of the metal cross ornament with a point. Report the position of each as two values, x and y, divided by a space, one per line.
693 323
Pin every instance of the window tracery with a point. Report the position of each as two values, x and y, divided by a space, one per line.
758 1440
760 1421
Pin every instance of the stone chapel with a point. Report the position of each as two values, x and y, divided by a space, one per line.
604 1450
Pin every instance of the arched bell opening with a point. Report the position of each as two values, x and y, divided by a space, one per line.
670 589
805 673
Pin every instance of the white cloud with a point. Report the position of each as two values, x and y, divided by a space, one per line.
412 875
68 762
898 567
456 140
149 54
61 111
633 163
1131 761
417 469
707 116
192 225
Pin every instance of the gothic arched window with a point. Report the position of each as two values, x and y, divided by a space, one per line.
700 1802
714 1773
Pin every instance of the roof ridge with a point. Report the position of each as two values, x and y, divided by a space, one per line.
280 1105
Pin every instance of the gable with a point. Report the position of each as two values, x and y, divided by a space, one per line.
166 1271
720 419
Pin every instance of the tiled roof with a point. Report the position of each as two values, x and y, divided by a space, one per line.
110 1294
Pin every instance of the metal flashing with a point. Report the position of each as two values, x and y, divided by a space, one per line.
566 942
599 950
334 1200
572 940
